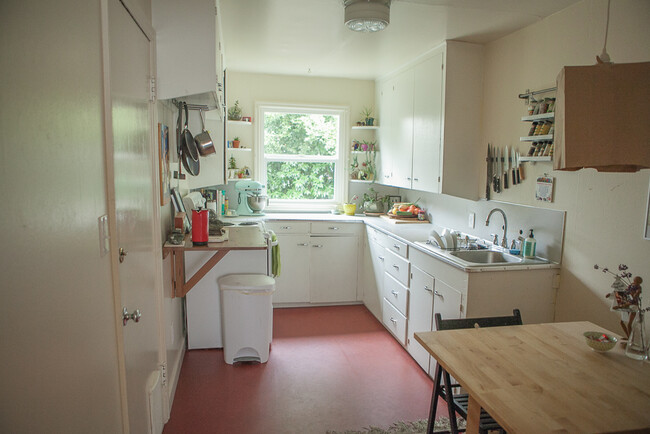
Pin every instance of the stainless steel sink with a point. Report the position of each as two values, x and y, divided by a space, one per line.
485 256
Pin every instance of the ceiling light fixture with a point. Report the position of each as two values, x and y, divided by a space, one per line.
367 15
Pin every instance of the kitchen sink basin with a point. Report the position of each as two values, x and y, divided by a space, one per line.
485 256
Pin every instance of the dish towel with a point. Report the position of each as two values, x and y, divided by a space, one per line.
276 266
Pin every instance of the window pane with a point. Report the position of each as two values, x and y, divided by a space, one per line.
300 134
296 180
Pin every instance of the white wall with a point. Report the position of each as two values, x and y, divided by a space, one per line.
605 212
57 319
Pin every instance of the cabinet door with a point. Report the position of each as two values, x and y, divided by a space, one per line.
447 301
292 285
333 269
386 133
420 318
427 117
403 140
373 288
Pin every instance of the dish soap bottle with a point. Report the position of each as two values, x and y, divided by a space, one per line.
529 246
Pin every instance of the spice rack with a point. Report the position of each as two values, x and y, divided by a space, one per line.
541 115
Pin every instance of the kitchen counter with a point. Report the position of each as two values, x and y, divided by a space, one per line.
239 238
408 233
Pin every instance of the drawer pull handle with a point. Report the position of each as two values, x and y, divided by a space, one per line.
396 267
317 245
393 320
302 244
426 288
395 293
439 294
333 228
285 227
396 246
381 258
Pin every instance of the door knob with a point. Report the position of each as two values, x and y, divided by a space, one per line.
123 254
126 316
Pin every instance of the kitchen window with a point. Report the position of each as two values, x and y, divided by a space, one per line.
301 156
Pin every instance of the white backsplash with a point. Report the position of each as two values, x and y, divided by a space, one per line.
453 213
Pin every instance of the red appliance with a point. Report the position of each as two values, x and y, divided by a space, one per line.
200 227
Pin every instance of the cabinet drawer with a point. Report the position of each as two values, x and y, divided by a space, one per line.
394 321
288 227
333 228
396 293
396 246
376 235
397 267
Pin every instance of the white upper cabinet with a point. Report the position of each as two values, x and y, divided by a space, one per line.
187 49
431 132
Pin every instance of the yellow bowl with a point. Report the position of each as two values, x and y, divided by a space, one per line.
600 341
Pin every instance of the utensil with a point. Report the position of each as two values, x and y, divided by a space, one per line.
187 141
520 169
203 140
506 168
489 173
497 173
191 166
514 168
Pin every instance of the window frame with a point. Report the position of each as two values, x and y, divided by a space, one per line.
340 160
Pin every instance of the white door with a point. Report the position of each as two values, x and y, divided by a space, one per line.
403 157
427 120
292 285
134 204
420 314
333 269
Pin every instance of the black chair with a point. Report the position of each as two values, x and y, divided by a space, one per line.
458 403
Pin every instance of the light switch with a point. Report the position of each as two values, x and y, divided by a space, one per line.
471 219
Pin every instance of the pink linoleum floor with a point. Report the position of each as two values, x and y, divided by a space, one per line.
330 368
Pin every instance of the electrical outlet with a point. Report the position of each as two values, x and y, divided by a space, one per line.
471 220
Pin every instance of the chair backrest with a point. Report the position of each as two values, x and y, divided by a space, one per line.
468 323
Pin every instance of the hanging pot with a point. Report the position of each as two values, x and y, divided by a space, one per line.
187 141
191 166
203 140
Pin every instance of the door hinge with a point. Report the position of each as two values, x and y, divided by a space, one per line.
152 88
163 373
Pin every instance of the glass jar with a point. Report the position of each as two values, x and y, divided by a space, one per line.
637 343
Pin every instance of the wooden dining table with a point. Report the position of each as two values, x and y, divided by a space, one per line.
542 378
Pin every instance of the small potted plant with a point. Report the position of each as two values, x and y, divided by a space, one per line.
235 142
234 112
367 115
373 202
350 207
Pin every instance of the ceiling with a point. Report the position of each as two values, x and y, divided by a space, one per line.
309 37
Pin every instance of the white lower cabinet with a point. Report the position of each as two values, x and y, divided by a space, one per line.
421 304
373 276
319 262
333 269
394 321
292 285
396 293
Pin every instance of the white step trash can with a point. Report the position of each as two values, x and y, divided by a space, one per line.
247 316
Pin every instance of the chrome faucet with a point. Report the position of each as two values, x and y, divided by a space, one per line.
504 241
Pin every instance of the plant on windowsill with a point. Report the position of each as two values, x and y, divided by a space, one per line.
350 207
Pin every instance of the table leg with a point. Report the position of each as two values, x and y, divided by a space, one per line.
473 416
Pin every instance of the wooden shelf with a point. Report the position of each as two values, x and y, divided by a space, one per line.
539 117
239 122
547 158
365 127
543 138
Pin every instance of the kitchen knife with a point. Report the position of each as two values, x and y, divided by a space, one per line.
497 173
489 173
513 158
506 167
494 169
520 169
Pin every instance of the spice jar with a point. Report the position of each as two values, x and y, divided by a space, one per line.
422 215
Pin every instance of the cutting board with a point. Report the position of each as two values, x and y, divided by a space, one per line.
397 221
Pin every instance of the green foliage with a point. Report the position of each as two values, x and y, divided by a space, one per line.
306 135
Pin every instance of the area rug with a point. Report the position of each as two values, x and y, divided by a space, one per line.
417 427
